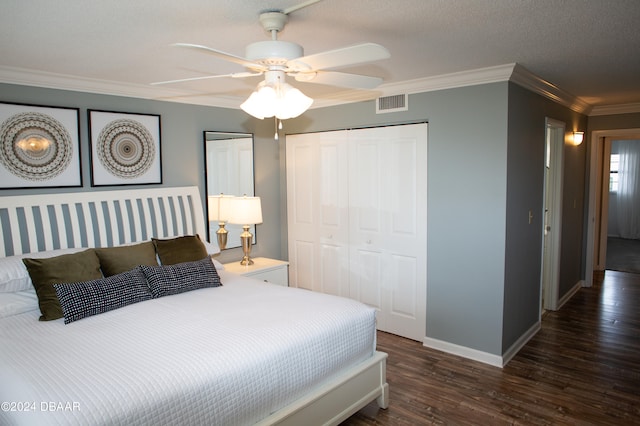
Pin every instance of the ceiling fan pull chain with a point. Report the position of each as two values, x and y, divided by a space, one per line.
275 137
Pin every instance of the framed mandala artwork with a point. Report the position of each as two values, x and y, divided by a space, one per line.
125 148
39 146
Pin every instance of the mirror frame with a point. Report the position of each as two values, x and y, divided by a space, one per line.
210 137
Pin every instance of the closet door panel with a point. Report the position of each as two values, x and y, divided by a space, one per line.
301 254
388 192
403 287
330 179
366 277
317 207
300 211
402 188
334 269
333 226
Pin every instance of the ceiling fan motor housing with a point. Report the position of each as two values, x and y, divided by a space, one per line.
273 52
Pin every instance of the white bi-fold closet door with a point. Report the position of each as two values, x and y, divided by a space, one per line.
357 213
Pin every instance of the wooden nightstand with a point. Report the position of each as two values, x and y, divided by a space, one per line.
269 270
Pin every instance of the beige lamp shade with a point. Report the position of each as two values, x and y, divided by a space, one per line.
245 210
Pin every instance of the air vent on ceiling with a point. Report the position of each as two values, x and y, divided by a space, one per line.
392 103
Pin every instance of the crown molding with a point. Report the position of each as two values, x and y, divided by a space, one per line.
616 109
421 85
525 78
508 72
27 77
450 81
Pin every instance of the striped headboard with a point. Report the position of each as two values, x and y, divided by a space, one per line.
32 223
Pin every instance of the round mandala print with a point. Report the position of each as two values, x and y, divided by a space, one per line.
35 146
126 148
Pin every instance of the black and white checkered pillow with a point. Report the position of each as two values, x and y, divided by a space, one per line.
166 280
80 300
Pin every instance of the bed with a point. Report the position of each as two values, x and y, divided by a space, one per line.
243 352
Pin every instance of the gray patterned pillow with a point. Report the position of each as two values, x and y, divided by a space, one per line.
84 299
166 280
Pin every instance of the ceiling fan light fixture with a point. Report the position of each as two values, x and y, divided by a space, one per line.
273 98
260 102
292 103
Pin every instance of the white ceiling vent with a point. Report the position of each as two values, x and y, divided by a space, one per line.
392 103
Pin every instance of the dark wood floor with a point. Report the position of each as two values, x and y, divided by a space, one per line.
581 368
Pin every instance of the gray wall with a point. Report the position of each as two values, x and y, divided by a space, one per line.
525 189
612 122
182 148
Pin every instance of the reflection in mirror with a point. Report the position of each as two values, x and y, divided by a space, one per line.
228 171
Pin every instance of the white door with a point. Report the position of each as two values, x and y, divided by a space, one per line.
356 204
387 226
554 154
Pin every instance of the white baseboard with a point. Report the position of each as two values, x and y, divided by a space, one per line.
519 344
570 293
463 351
484 357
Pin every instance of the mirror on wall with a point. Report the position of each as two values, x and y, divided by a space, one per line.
229 171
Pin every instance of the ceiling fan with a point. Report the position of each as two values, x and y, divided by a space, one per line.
276 59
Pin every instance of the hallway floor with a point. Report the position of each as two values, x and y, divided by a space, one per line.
623 255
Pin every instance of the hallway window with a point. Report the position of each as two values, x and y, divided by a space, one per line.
613 172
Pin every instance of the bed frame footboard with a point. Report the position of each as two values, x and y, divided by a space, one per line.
335 401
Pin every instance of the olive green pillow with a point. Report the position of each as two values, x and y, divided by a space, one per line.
68 268
181 249
115 260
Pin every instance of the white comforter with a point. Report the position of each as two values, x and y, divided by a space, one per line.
222 356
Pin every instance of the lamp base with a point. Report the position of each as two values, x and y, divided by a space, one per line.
246 261
246 238
221 235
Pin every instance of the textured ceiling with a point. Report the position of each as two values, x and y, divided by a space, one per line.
588 48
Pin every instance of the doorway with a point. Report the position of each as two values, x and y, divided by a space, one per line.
620 249
552 223
598 211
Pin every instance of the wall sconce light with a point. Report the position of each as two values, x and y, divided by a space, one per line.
578 137
246 211
219 207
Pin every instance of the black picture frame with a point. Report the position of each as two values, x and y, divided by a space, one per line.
39 146
125 148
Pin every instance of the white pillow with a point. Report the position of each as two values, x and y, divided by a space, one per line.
219 266
18 302
14 275
211 248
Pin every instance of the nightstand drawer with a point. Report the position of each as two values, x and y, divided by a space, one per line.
264 269
275 276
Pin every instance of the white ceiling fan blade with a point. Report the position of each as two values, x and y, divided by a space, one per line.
234 75
340 79
223 55
350 55
299 6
